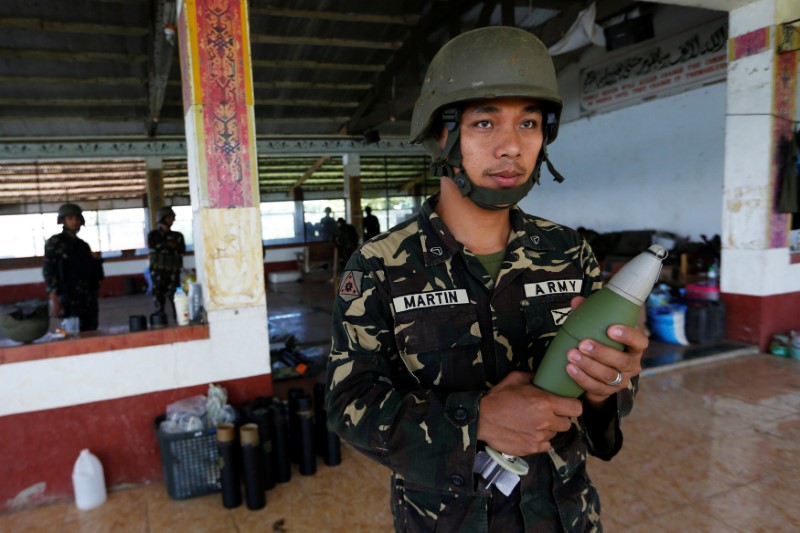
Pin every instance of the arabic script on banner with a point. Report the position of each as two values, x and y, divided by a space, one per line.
676 64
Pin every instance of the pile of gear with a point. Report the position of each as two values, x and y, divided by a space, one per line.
290 360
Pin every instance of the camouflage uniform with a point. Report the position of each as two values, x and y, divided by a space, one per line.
372 226
167 249
346 241
74 273
421 332
327 228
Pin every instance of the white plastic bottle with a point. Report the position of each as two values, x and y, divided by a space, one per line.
181 307
88 481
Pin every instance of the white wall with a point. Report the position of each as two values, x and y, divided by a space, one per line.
227 354
657 165
110 268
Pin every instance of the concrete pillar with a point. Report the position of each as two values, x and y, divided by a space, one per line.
223 174
759 281
352 191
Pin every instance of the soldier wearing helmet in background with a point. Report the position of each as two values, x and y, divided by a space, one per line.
167 249
72 273
440 323
327 226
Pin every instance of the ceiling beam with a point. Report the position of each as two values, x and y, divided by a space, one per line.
71 27
71 102
54 179
381 111
280 102
18 150
306 85
308 173
404 20
410 184
73 56
286 102
324 41
439 13
161 51
557 5
313 65
63 80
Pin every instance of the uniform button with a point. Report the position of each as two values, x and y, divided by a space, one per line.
457 480
460 414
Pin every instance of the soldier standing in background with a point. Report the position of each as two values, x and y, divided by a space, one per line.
167 249
440 323
371 225
345 239
327 226
72 273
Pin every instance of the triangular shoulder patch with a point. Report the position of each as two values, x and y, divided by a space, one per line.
350 287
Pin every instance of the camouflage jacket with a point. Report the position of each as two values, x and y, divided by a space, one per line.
69 264
420 332
167 249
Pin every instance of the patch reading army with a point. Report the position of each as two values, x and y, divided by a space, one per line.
561 286
350 287
560 315
430 299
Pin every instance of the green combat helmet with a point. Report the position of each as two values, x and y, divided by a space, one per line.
163 213
25 321
67 210
492 62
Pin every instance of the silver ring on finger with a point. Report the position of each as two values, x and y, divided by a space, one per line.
617 380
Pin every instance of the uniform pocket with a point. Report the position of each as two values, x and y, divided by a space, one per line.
574 493
568 453
545 314
441 346
421 510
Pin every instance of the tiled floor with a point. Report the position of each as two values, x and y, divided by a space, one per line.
711 446
708 448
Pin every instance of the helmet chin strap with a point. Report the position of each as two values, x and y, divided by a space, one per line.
490 199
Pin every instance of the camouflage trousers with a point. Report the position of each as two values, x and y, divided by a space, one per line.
164 286
81 301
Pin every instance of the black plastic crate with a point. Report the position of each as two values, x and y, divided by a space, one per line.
190 460
705 321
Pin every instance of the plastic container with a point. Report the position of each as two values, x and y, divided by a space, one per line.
794 345
88 481
182 307
72 325
779 345
195 302
702 291
137 323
